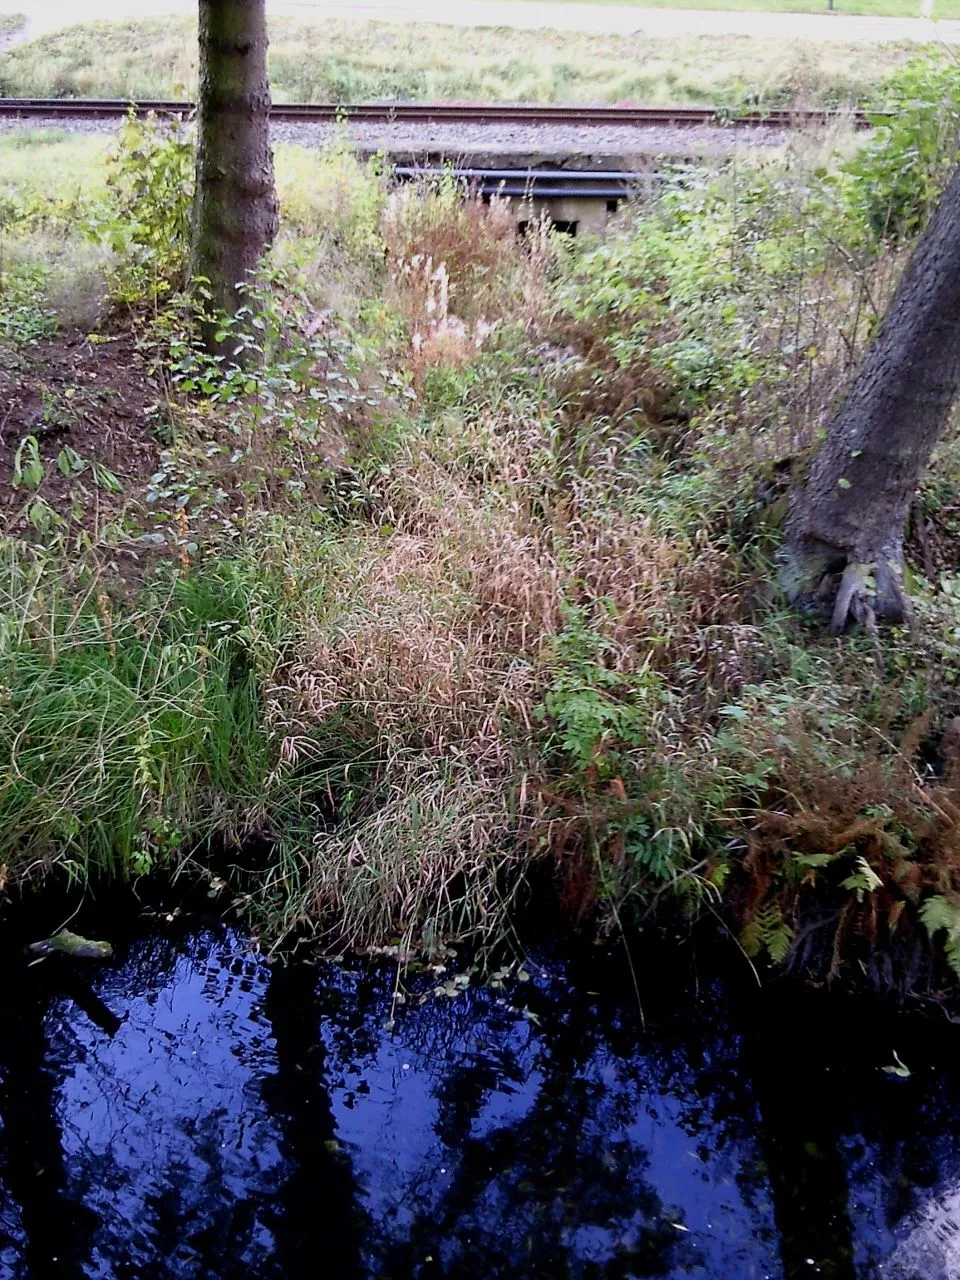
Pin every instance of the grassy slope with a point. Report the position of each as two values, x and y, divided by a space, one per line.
36 162
872 8
42 164
352 62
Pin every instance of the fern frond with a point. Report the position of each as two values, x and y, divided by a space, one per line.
767 931
939 913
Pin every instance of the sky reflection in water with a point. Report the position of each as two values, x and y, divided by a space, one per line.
190 1111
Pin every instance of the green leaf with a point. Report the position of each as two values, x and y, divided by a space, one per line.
104 478
28 470
778 944
813 859
899 1068
864 879
739 714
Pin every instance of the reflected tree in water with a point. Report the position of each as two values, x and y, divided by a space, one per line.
558 1186
56 1228
317 1218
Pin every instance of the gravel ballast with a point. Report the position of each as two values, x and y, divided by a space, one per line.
583 146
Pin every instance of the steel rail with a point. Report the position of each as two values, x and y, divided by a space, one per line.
536 184
451 113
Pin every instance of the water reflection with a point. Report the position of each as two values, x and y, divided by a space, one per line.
531 1133
190 1111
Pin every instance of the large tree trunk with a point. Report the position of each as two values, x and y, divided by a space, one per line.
235 209
846 527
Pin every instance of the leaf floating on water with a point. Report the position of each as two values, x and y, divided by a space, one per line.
899 1068
71 944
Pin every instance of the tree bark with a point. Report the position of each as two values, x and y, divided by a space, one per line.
235 213
846 527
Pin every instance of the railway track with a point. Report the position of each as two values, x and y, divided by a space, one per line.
447 113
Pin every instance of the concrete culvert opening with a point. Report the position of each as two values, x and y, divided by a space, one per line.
566 226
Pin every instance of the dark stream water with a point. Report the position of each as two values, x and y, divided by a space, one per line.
188 1110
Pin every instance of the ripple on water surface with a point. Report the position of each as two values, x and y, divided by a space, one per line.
190 1111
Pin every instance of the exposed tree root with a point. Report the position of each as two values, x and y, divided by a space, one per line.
919 522
859 590
868 590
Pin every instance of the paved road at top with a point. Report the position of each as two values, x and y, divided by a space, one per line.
599 19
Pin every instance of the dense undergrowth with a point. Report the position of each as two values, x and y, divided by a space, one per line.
349 61
466 569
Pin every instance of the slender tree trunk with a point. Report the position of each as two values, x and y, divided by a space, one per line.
235 209
846 527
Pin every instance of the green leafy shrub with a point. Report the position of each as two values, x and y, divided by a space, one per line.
897 178
145 219
296 396
942 914
24 313
332 200
597 712
702 288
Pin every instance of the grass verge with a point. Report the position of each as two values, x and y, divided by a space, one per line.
350 62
